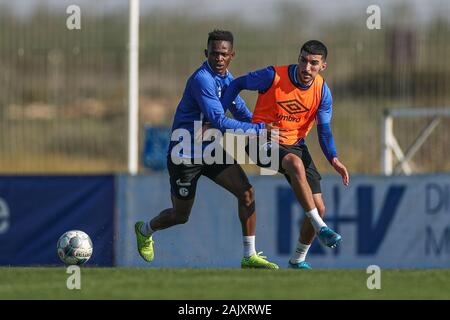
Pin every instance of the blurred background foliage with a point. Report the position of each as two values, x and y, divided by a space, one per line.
63 93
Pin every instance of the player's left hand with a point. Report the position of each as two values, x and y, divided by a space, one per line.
342 170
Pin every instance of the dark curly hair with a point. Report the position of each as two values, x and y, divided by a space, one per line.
315 47
220 35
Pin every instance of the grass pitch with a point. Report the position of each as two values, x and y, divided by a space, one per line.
229 284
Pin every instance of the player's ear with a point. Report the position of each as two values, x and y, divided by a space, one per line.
206 53
324 66
233 53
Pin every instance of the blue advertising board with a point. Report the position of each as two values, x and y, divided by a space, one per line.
392 222
36 210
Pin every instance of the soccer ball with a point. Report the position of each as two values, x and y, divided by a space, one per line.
74 247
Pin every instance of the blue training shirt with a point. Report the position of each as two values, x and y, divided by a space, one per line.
261 80
201 102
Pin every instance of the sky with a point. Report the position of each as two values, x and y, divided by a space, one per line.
324 9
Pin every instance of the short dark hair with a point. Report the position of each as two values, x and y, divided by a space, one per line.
220 35
315 47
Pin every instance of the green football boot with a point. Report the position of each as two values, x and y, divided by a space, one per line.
144 244
257 261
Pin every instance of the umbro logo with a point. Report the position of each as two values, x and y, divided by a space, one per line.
293 106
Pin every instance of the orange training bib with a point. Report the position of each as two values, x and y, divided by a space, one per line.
294 108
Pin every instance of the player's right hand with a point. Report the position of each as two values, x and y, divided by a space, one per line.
275 133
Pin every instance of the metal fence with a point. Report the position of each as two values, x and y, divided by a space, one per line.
63 93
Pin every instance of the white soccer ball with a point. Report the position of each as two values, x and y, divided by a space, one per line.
74 247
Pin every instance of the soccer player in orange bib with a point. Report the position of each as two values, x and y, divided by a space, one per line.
292 98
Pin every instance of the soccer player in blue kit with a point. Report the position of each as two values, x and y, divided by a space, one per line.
293 97
201 102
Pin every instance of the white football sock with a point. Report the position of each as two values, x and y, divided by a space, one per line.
300 252
146 229
315 219
249 246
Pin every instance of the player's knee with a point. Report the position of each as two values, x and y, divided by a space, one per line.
181 218
247 198
294 167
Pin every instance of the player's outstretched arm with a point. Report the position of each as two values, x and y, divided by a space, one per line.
259 80
240 111
204 92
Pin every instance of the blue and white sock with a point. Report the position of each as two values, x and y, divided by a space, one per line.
300 253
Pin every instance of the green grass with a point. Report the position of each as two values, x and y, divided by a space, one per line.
134 283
